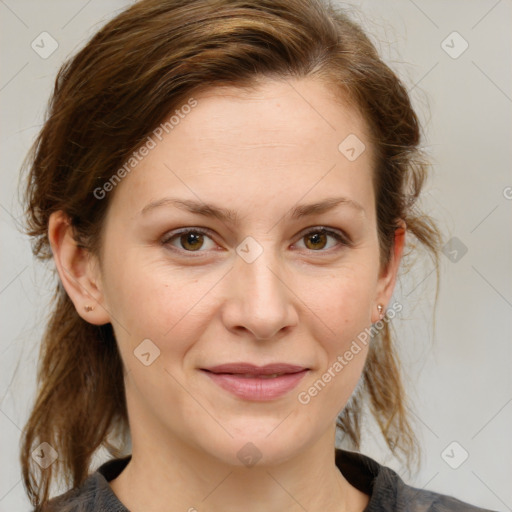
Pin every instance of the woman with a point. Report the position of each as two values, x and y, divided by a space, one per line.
225 188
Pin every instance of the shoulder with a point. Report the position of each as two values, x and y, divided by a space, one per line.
78 499
421 500
388 492
93 494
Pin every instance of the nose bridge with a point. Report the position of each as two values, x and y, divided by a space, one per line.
260 274
263 299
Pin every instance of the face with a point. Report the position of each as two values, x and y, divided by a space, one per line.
266 280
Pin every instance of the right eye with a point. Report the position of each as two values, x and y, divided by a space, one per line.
187 240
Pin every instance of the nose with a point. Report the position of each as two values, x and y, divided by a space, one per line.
260 297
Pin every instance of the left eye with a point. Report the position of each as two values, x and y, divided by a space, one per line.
317 239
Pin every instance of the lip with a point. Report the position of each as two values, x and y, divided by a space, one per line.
256 383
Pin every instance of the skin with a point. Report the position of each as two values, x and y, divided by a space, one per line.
302 301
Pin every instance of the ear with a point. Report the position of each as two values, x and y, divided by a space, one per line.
78 270
387 278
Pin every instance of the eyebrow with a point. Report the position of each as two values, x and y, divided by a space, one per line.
230 216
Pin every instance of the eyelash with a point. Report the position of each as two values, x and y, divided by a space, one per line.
344 240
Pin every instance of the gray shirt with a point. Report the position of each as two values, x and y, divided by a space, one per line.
387 491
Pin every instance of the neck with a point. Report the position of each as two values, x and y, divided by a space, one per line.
196 482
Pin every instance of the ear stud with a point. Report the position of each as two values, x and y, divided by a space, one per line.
88 308
380 307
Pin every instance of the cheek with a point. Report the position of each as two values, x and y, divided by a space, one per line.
155 301
345 306
345 300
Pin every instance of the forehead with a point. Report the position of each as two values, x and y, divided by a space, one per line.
293 111
280 138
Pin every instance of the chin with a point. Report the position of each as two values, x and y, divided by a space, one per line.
258 443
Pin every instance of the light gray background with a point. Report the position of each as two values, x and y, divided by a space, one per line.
458 374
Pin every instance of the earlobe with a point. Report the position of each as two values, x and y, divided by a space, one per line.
77 270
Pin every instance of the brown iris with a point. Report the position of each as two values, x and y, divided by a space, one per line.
318 238
192 240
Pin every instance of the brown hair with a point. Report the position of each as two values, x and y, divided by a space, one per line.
108 99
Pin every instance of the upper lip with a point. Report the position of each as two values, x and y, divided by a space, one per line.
248 368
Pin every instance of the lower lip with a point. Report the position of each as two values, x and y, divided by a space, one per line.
257 389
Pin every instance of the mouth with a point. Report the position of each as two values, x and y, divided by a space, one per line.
253 370
256 383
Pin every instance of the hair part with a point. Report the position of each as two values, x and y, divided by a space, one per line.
107 100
